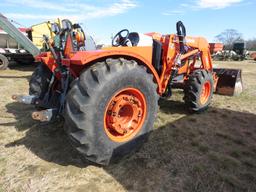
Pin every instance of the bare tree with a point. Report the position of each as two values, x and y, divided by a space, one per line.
251 44
228 37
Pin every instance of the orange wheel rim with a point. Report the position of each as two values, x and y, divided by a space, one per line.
205 93
125 114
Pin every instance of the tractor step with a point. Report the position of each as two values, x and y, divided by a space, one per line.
26 99
44 115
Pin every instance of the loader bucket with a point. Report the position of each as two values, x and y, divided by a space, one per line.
229 81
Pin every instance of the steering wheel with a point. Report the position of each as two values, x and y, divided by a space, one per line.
119 39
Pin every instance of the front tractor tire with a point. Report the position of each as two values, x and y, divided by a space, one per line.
110 110
198 90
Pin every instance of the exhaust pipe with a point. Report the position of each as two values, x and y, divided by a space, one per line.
229 81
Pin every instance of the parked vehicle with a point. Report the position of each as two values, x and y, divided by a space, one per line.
23 44
109 97
11 50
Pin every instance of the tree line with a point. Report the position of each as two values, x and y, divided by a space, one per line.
230 36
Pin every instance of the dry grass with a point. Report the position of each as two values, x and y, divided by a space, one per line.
213 151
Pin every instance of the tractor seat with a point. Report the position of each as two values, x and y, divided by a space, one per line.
134 38
139 39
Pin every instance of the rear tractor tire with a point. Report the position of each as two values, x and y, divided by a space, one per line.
4 62
110 110
198 90
40 79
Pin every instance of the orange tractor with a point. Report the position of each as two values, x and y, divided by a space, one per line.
109 97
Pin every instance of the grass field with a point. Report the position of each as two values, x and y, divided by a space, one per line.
209 152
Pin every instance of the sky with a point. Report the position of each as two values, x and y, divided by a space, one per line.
103 18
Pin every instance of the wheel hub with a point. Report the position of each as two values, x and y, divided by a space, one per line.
125 114
205 93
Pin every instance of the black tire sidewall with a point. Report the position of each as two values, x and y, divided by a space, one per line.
125 80
193 90
204 80
5 62
84 121
39 81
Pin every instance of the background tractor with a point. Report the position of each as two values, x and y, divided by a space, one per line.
237 53
21 46
109 97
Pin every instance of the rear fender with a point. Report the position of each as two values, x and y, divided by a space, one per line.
142 55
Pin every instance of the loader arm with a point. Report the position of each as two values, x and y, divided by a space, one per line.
202 46
226 81
173 59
